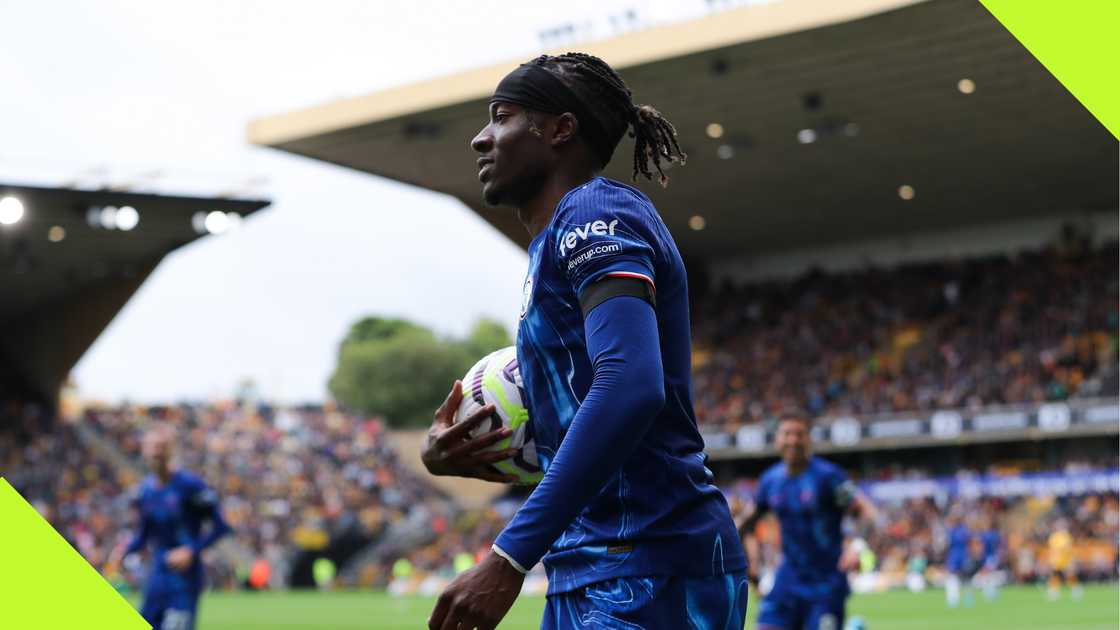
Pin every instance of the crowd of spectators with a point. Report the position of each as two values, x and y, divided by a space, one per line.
1040 325
289 480
81 494
914 531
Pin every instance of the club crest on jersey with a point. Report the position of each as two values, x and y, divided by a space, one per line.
574 237
526 295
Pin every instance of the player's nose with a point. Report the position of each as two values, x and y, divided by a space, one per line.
483 142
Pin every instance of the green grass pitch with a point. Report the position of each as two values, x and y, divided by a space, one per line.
1018 608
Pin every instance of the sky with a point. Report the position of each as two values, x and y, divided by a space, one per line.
130 86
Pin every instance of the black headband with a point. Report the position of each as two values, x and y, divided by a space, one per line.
536 88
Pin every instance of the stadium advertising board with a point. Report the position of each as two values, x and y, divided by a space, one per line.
945 425
973 487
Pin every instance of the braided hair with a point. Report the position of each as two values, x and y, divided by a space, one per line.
608 98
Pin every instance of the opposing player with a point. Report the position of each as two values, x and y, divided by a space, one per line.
1059 547
810 497
632 531
173 506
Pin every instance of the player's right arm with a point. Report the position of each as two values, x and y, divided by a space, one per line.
139 539
449 449
745 523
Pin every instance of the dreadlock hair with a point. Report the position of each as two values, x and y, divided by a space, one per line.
608 98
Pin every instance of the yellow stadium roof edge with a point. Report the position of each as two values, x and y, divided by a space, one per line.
634 48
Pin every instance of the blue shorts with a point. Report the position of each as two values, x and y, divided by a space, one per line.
791 608
170 609
652 603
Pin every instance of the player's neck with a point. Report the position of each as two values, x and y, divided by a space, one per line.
165 475
796 467
536 213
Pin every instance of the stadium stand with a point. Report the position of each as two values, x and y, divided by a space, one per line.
309 482
1032 327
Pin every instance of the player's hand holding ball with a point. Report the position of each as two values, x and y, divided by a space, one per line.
450 450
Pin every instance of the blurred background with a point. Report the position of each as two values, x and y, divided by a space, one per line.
260 222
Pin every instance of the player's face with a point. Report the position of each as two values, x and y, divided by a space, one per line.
792 441
157 451
514 157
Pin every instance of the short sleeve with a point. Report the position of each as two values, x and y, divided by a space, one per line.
604 231
843 489
205 499
201 497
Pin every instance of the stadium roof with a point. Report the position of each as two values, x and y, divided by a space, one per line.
64 277
877 83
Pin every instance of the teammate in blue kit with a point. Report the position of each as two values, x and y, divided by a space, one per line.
957 560
990 576
631 529
173 505
810 497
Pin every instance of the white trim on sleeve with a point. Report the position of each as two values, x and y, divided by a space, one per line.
501 552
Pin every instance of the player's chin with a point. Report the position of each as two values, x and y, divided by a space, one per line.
492 194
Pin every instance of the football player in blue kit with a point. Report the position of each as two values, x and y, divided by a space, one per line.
991 576
810 497
631 529
957 560
173 506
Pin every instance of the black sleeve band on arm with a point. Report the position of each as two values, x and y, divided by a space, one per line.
598 292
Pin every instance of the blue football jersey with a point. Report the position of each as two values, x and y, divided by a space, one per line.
810 508
993 548
661 514
959 539
172 515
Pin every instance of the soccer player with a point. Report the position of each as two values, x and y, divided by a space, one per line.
956 558
810 497
990 576
632 531
173 505
1062 567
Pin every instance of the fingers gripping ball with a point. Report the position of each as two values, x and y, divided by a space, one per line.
496 380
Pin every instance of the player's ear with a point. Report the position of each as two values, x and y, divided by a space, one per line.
565 128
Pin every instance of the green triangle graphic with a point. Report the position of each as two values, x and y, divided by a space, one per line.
45 584
1077 42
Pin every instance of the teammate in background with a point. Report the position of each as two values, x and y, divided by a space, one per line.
173 505
956 558
632 531
1062 568
991 576
810 497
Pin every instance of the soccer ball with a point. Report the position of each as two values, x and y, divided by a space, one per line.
496 380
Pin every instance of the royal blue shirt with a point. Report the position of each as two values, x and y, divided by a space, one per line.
173 515
993 548
959 539
652 508
810 507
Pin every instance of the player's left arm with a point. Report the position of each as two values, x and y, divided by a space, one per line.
206 501
203 501
626 393
854 502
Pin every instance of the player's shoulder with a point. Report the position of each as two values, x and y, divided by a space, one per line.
605 199
775 471
189 481
146 485
195 488
826 469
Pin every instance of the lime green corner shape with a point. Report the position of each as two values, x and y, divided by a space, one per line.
1078 42
45 584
